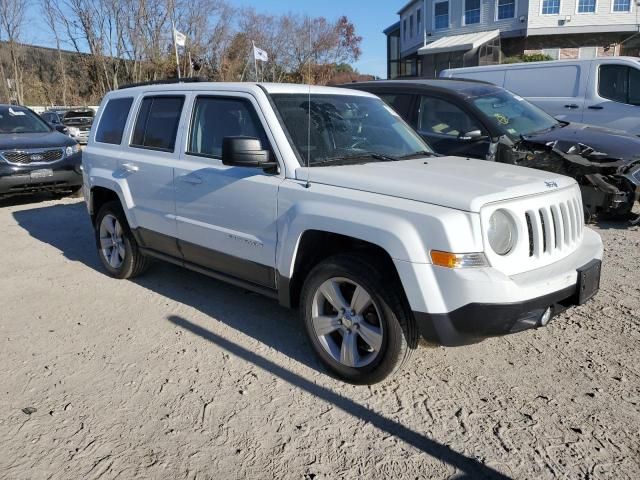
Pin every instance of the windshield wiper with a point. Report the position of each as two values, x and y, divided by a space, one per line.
346 158
419 153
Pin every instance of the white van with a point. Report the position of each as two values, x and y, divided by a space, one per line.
600 91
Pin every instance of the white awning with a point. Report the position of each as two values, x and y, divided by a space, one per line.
454 43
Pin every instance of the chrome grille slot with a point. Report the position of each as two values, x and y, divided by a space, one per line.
26 157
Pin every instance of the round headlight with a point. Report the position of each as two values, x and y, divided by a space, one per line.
501 232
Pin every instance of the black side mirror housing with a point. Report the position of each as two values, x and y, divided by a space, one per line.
473 136
59 127
245 152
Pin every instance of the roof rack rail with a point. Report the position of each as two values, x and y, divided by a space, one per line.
164 81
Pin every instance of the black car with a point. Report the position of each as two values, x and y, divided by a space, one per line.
55 121
35 157
480 120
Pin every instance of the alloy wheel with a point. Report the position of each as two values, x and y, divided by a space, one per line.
347 322
112 241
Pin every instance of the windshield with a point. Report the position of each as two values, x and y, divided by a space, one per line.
346 127
15 119
513 114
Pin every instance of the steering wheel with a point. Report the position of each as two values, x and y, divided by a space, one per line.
18 129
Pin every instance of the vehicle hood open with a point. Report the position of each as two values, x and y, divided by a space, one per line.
455 182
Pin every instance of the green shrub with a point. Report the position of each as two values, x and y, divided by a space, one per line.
532 57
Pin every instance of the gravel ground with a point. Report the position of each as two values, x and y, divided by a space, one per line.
176 375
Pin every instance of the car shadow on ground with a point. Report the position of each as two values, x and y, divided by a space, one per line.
66 227
465 466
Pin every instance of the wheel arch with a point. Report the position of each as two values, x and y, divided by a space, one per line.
314 246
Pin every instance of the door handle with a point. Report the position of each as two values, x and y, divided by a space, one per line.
191 178
571 105
130 167
595 107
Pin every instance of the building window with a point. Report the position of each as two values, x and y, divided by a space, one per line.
471 12
441 15
586 6
506 9
404 29
550 7
554 53
587 52
419 22
410 26
621 5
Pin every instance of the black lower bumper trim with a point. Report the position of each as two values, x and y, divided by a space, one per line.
23 183
472 322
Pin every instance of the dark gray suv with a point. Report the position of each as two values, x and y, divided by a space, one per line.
35 157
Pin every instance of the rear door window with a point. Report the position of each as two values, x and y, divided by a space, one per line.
157 123
113 120
401 103
215 118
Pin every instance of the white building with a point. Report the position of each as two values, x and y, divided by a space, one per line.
432 35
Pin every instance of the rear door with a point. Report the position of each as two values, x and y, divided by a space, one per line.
147 168
445 126
226 216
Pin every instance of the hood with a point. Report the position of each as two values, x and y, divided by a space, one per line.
453 182
614 143
23 141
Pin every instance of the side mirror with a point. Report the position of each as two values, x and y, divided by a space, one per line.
245 152
472 136
59 127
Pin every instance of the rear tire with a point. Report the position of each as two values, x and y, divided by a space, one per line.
117 247
357 320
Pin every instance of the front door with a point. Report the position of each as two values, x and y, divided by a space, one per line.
616 103
226 216
445 126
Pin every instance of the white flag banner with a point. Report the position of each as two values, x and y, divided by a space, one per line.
260 54
180 38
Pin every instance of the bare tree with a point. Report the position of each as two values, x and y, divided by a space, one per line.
49 12
12 19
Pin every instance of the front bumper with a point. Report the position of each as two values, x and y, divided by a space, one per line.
470 304
16 180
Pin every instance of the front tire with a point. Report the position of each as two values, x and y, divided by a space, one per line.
356 319
117 247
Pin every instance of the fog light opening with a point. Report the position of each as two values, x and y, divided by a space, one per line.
546 316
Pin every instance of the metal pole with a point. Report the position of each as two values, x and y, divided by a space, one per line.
175 45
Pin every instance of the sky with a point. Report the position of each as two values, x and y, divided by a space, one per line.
369 17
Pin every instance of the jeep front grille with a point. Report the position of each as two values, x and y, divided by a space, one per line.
25 157
549 226
554 227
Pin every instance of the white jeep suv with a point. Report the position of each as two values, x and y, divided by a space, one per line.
326 200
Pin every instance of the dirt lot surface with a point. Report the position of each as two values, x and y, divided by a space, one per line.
176 375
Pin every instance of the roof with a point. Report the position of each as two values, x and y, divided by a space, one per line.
407 5
453 43
465 88
249 87
392 28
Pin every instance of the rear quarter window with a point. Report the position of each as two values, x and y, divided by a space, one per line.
113 120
